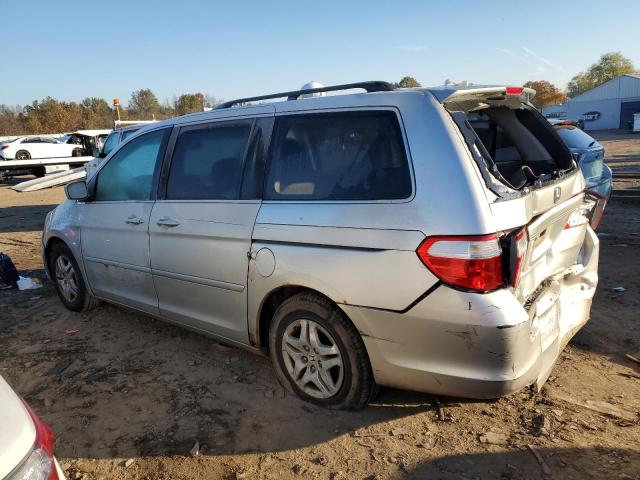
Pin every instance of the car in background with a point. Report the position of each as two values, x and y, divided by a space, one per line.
25 148
26 442
558 121
116 137
590 157
90 141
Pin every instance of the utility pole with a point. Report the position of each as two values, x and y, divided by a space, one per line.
116 105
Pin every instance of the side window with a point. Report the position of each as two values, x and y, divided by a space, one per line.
127 133
338 156
131 173
110 143
207 162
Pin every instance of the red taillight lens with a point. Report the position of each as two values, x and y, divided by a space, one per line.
4 147
519 246
514 90
40 463
470 262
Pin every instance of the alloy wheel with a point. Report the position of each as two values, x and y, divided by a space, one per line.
312 358
66 278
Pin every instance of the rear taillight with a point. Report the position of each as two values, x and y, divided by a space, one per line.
4 147
469 262
597 211
518 249
39 464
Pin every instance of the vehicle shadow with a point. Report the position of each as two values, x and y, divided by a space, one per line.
23 218
545 463
112 383
613 330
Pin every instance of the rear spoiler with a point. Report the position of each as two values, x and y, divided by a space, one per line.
468 99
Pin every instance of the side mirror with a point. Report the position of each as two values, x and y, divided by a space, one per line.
76 190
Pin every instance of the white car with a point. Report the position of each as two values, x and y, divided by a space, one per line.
24 148
26 443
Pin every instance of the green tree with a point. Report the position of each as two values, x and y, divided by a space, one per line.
546 93
610 65
11 120
144 105
187 103
408 82
96 113
210 101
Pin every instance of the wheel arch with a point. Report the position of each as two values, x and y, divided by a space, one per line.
51 242
270 304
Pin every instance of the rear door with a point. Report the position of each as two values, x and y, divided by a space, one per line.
200 230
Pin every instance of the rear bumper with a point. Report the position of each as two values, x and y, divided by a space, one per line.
479 345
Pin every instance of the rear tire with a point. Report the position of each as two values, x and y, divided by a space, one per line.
76 152
68 280
319 355
22 155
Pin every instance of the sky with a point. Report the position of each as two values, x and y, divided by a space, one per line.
73 49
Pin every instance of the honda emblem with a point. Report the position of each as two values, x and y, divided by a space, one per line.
556 194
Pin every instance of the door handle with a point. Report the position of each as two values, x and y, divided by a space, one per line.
133 220
167 222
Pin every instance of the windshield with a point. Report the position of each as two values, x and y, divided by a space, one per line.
574 137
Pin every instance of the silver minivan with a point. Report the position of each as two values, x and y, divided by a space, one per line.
437 240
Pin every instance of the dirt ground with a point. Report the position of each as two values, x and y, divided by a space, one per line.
129 396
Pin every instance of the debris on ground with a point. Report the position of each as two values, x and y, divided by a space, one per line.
27 283
128 462
195 450
599 406
619 289
635 357
493 438
71 331
441 416
546 470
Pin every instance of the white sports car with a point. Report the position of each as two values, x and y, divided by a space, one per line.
26 443
24 148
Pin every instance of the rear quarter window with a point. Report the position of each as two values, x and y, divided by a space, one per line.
338 156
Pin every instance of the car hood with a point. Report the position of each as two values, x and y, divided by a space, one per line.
18 432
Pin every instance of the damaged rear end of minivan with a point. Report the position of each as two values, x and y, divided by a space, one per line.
543 217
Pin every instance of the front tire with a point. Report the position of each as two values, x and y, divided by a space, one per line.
68 280
319 355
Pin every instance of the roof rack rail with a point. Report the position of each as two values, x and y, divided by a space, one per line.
372 86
